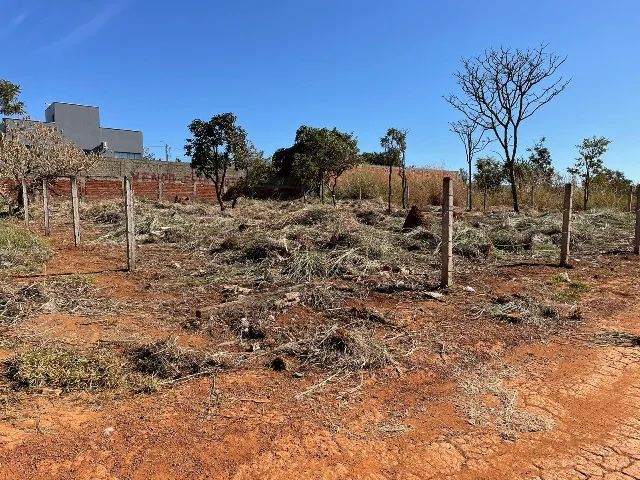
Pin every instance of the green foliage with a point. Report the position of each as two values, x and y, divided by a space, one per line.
375 158
9 103
20 249
394 144
489 174
590 162
216 146
322 155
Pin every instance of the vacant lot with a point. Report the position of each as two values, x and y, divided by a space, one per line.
291 340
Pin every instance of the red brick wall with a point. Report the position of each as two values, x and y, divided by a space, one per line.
143 187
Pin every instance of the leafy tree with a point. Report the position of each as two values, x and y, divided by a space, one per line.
612 181
394 146
375 158
490 173
472 138
256 170
464 176
590 162
501 89
216 145
536 169
9 103
322 156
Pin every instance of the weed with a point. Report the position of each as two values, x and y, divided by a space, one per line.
60 367
20 249
166 360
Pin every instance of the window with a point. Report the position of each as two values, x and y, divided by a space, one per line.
127 155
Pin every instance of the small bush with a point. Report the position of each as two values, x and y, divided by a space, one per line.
65 369
20 249
167 360
348 348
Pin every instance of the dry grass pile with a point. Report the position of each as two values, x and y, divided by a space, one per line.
74 294
165 359
65 369
519 309
18 303
20 249
602 230
339 348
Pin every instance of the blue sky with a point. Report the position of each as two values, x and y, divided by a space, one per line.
362 66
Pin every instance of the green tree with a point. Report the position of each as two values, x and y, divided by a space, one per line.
256 169
374 158
589 163
321 156
216 146
9 103
394 146
490 173
501 89
612 181
538 168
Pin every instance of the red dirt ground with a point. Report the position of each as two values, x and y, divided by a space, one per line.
398 425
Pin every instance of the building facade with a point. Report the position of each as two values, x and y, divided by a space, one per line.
80 124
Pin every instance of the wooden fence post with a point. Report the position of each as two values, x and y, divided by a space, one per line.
630 200
76 211
566 225
636 246
130 225
194 187
25 201
45 206
446 249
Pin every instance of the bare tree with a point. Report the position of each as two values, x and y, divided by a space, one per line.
473 143
501 88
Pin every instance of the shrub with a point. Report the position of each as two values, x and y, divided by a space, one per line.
60 367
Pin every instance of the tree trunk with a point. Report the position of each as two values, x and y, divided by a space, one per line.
389 190
219 196
533 197
404 182
484 201
586 193
514 188
469 199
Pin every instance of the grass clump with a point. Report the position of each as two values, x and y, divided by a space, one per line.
167 360
21 249
518 309
566 289
63 368
346 348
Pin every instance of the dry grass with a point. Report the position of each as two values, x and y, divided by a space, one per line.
20 249
165 359
66 369
339 348
486 400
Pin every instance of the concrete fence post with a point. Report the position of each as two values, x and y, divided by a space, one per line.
446 249
636 246
130 224
45 206
566 225
76 211
25 201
